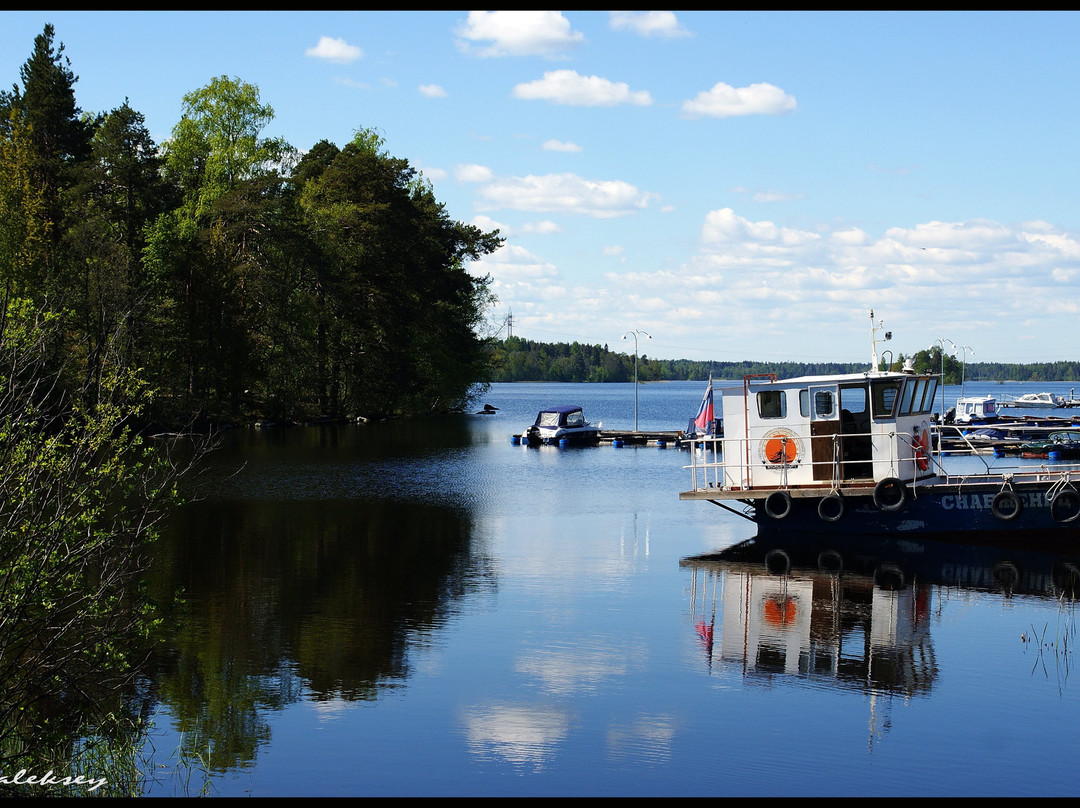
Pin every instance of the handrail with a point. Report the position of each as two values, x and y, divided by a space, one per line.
739 473
717 474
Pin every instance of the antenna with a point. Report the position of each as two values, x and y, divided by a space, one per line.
874 340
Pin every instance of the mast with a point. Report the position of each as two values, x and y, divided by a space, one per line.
874 340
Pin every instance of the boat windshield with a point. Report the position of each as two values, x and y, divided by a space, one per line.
884 396
548 419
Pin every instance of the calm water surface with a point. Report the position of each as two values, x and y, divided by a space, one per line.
422 608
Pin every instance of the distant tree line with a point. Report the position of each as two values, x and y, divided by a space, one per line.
521 360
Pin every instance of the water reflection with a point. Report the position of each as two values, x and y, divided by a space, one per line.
851 613
317 594
525 736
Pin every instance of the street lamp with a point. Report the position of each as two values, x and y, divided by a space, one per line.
635 332
942 341
963 366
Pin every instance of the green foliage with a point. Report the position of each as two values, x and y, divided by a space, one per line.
80 494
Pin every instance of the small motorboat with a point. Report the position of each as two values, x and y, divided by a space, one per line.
564 425
1035 401
973 410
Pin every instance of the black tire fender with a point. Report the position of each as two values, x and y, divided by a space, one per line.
831 507
1065 506
778 504
1006 505
890 494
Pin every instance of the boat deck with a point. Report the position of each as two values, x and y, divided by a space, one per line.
982 481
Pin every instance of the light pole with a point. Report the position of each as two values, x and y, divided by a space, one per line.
635 332
942 341
963 366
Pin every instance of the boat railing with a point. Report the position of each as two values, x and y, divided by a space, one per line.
710 471
725 463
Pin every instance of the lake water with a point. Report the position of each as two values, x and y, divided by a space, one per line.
424 609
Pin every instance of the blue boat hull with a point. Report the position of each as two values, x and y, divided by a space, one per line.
959 511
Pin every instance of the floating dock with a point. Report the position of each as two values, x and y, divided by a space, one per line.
633 438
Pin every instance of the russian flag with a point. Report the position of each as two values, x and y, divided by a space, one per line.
705 418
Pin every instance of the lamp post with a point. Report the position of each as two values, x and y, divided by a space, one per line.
942 341
635 332
963 366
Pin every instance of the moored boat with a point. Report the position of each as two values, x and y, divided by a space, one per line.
852 453
975 410
1064 445
1035 401
564 425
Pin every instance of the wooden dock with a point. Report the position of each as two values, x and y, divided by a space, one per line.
633 438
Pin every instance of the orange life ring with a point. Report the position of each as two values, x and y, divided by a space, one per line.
780 447
922 450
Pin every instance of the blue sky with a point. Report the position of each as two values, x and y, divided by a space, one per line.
736 185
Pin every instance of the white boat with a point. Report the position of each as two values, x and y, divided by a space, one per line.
975 410
564 425
851 453
1035 401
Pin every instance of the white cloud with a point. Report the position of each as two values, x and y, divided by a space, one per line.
541 228
568 87
434 174
519 277
801 294
560 146
486 223
648 23
724 227
432 91
775 196
473 173
725 101
334 50
565 193
517 33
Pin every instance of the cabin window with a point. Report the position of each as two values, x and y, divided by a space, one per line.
913 398
575 418
853 399
824 402
772 404
905 398
548 419
883 397
928 399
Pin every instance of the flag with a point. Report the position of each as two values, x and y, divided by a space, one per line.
705 419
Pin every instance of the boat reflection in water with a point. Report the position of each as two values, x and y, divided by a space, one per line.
853 612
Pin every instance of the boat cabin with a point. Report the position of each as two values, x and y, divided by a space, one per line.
567 417
827 431
974 410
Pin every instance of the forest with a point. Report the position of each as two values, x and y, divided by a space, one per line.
520 360
241 277
153 294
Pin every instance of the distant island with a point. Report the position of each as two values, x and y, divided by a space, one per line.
515 359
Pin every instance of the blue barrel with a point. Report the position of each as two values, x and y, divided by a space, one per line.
1054 454
661 444
564 442
617 442
515 440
